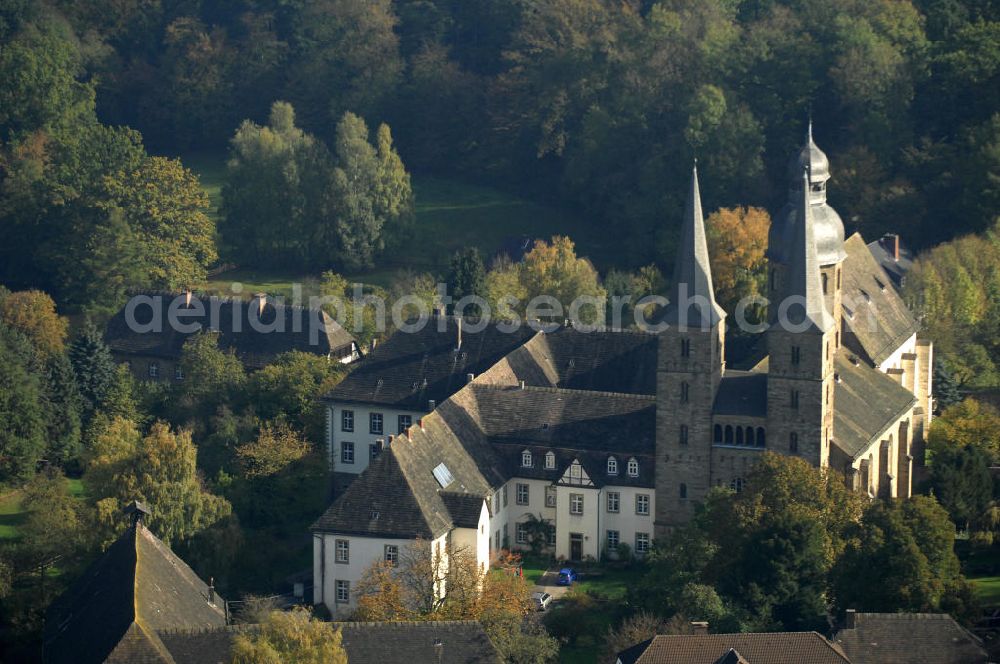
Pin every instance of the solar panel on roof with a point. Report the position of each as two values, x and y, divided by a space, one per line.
443 475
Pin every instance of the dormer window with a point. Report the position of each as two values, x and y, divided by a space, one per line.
550 460
526 461
633 468
881 286
612 466
864 294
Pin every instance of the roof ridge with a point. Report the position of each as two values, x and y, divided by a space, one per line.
564 390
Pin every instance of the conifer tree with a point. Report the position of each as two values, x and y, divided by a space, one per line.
95 370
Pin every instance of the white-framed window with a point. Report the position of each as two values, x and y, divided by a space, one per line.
526 460
347 420
550 460
612 466
178 372
552 535
576 503
375 423
633 468
641 542
522 494
343 595
550 496
154 369
391 554
642 504
520 534
343 551
575 473
403 423
614 502
613 539
346 452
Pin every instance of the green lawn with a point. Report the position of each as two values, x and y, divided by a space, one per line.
987 590
11 515
450 215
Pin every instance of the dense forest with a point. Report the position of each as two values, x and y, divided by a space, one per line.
597 104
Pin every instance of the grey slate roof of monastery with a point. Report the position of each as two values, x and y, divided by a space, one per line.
136 588
754 648
461 642
909 638
409 369
866 402
301 330
603 361
878 319
478 435
464 508
803 267
692 271
741 393
883 250
580 420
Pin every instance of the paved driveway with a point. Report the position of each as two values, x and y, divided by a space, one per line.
547 584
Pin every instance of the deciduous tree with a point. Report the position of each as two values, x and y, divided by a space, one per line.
290 636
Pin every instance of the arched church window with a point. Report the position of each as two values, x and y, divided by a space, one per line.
729 434
739 435
718 433
793 442
761 442
749 436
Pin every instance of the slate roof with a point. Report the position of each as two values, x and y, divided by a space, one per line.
909 638
866 402
883 251
398 496
692 270
443 642
603 361
461 642
233 319
754 648
876 316
113 611
410 368
741 393
479 434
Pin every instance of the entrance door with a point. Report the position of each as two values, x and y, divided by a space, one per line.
575 547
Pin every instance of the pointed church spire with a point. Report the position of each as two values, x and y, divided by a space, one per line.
692 298
804 275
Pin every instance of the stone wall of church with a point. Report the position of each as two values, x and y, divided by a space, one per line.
688 373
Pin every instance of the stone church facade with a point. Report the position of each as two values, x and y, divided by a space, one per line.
613 437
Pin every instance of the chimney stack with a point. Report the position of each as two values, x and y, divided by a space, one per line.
211 590
469 377
520 384
699 627
391 438
261 302
431 404
850 619
380 444
420 423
